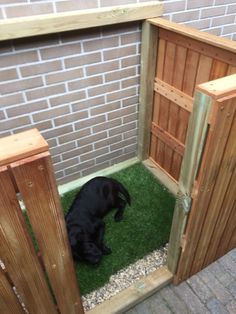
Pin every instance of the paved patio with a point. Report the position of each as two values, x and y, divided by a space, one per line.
213 290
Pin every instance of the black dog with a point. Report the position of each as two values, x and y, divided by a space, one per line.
84 222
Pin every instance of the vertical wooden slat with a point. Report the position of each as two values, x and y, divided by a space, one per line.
148 54
219 69
229 230
178 77
204 69
9 303
37 185
17 252
219 238
165 103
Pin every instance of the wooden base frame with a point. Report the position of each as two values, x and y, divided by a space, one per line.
136 293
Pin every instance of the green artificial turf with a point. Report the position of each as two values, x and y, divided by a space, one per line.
145 227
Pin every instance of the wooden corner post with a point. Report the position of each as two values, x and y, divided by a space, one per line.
148 56
26 167
196 134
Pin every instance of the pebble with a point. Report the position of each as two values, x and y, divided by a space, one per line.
125 277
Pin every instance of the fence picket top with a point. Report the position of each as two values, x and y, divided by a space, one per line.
21 145
219 88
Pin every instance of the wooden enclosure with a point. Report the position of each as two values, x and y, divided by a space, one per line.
211 227
26 169
186 135
187 132
183 62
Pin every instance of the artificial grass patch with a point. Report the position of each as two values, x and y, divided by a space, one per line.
145 227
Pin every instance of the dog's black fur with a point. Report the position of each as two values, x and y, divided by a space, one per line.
84 222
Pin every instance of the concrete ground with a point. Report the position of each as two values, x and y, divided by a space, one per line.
213 290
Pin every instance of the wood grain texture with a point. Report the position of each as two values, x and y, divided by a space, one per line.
192 33
21 145
223 223
168 139
136 293
207 177
9 303
37 185
17 252
148 54
219 88
194 145
203 253
175 95
74 20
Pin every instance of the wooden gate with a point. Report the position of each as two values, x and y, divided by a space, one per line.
26 168
186 130
185 58
211 226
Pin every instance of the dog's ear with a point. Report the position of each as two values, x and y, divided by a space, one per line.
75 235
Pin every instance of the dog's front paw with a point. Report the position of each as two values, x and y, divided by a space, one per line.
106 250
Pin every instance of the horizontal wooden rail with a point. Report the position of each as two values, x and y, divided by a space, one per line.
168 139
173 94
216 41
136 293
74 20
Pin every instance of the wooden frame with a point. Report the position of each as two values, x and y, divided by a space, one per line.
200 106
60 22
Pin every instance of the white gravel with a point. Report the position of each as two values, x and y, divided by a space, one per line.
125 277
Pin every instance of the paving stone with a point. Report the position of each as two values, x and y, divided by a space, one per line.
229 264
216 287
187 295
175 303
232 254
231 307
232 289
216 307
200 288
220 273
158 305
131 311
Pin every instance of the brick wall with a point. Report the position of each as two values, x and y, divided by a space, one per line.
80 89
213 16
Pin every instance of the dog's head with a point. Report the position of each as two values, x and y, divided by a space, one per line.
82 248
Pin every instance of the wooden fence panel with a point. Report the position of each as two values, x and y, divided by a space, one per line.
17 252
36 182
183 62
8 300
210 230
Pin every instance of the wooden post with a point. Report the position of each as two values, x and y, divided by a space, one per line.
196 135
148 55
36 182
25 164
17 252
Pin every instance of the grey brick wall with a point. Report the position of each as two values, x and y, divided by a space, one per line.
81 88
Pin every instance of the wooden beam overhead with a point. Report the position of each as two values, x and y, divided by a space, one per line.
74 20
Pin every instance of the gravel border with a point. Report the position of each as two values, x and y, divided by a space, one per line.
125 277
